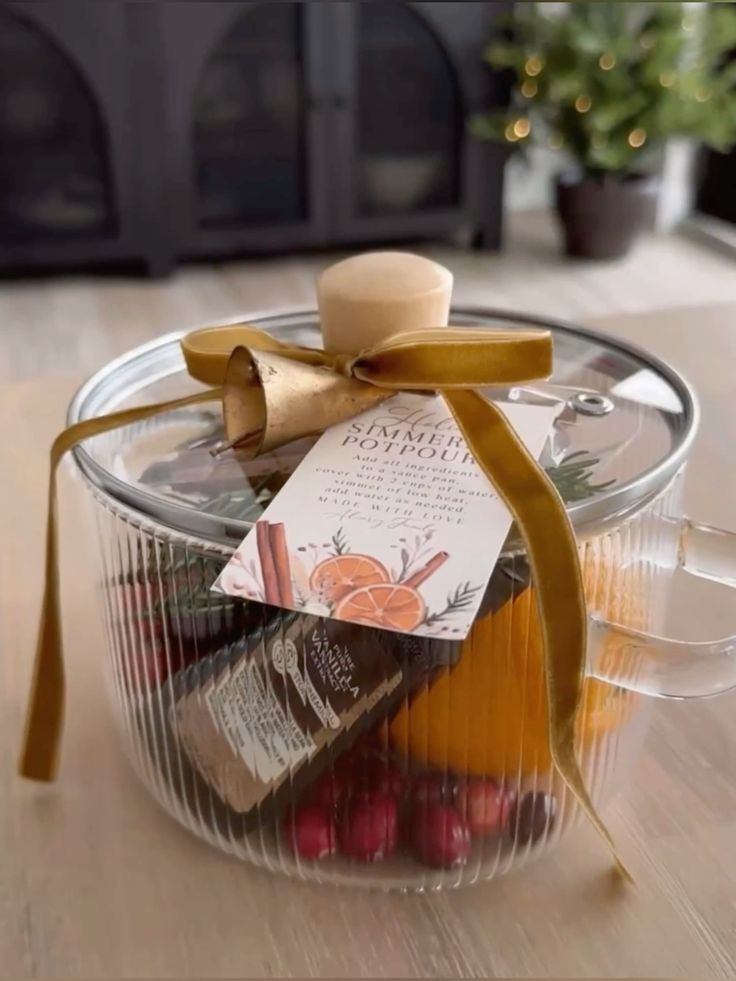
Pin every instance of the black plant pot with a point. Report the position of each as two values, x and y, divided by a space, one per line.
602 216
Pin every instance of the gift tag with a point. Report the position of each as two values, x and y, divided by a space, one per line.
388 522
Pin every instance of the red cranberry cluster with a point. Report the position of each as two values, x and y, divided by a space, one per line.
367 806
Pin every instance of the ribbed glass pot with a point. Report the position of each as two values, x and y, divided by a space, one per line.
444 776
143 565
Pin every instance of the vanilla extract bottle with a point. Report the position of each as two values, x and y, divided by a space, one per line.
264 717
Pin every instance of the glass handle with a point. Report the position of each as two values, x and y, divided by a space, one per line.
664 666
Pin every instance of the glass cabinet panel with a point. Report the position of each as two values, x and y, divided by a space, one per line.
54 178
409 114
249 121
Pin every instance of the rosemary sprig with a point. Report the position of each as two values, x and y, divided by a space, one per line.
405 563
184 583
459 600
340 543
573 476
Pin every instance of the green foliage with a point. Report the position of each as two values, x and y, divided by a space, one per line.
608 82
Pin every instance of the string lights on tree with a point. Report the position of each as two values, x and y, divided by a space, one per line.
610 82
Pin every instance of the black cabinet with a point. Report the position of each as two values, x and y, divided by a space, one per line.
406 77
66 177
215 128
248 148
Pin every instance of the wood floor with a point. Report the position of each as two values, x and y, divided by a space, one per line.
68 326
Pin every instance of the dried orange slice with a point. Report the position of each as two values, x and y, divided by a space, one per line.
388 605
339 575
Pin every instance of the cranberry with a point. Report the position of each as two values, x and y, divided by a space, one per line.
369 771
310 831
370 827
432 788
534 816
440 839
485 805
146 667
348 766
328 790
384 776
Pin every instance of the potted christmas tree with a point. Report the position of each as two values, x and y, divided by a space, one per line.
608 84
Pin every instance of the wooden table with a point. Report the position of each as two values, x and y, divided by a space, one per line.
95 880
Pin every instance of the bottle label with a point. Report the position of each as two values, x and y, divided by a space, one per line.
273 707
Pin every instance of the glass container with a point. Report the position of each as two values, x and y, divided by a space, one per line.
436 772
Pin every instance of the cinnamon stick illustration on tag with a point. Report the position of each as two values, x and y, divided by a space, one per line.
274 557
353 586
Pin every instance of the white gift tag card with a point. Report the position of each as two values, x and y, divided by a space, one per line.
387 521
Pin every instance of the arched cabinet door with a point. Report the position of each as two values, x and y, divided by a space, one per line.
407 77
65 188
243 83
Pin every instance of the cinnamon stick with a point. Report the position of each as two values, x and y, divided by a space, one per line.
280 554
271 591
426 571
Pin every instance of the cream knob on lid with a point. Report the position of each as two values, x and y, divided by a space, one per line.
369 297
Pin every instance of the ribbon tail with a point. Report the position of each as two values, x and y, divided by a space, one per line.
45 713
542 519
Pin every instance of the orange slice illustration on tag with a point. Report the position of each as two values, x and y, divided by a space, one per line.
339 575
388 605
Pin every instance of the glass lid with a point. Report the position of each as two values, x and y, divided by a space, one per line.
624 427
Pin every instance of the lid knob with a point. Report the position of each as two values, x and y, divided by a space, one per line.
369 297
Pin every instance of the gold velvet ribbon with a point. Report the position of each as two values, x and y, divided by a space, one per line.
262 381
